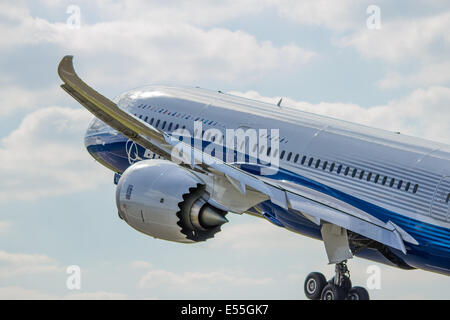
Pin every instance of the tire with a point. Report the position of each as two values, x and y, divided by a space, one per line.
358 293
314 284
332 292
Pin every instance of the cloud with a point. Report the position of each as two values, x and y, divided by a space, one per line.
14 98
141 265
20 264
335 15
422 38
157 49
5 226
428 75
415 50
99 295
45 156
19 293
195 281
422 113
259 236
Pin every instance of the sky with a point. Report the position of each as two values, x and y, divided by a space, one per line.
385 66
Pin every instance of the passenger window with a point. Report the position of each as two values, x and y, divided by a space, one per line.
269 149
400 183
289 156
361 175
317 163
339 169
347 171
151 121
170 126
384 181
310 162
416 188
377 178
355 171
282 154
303 160
296 158
448 198
157 123
146 118
332 167
408 185
369 176
392 182
164 125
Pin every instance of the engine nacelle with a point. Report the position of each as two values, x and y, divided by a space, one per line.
166 201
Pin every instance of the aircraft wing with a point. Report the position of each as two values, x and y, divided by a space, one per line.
313 205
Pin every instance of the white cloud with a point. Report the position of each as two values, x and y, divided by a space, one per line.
259 236
335 15
196 281
428 75
19 293
159 50
422 38
99 295
423 113
20 264
14 98
45 156
5 226
141 265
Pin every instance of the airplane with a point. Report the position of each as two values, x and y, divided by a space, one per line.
364 192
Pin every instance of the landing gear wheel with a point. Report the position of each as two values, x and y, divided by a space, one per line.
314 284
358 293
333 292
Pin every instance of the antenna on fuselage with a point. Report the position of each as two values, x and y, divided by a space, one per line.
279 102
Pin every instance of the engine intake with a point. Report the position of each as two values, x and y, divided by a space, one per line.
166 201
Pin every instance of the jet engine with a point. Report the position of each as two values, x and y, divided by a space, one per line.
166 201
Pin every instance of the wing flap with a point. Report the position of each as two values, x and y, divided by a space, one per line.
383 234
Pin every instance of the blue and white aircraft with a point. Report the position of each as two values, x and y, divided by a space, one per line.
364 192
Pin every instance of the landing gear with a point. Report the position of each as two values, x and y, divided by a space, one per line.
338 288
314 284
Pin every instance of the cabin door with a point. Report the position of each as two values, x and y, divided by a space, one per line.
441 201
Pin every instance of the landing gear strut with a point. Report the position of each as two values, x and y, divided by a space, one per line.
338 288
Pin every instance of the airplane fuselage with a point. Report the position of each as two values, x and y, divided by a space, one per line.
390 176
